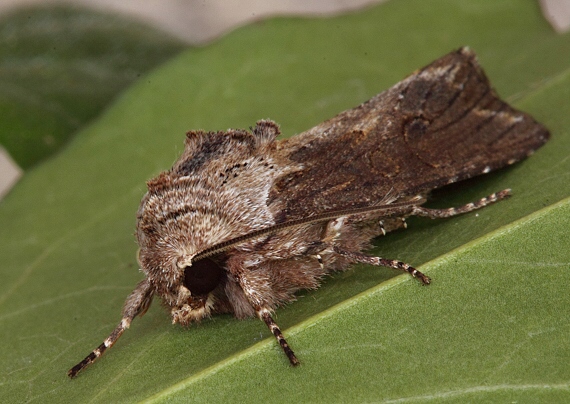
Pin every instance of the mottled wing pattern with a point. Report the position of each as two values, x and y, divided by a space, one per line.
442 124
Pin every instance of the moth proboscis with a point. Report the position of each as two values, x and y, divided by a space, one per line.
243 221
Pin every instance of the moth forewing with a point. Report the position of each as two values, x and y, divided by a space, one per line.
242 221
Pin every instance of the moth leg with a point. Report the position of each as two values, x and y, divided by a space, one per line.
367 259
265 315
382 229
449 212
260 296
136 304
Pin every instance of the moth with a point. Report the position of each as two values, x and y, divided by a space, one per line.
242 221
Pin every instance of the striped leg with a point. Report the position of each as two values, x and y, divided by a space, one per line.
97 352
426 212
137 303
443 213
367 259
258 291
265 315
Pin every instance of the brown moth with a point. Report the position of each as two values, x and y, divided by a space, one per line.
243 221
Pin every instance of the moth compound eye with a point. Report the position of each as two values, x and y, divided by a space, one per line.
202 277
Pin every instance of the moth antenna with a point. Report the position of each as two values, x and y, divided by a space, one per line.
137 303
398 208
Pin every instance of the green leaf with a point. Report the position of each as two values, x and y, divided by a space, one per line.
492 327
60 66
487 332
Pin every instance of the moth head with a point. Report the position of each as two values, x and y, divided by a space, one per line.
172 228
